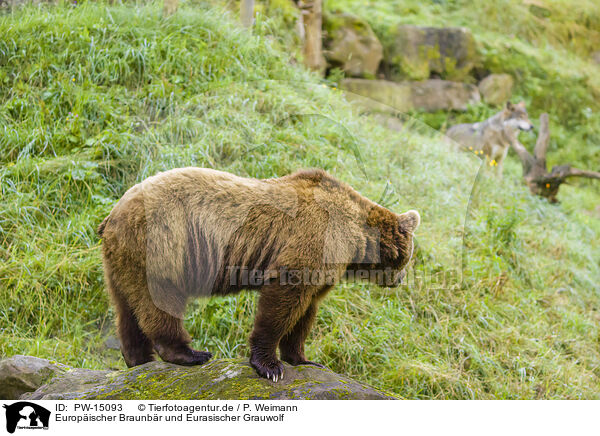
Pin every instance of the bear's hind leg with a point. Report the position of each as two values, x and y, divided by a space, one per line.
135 345
167 333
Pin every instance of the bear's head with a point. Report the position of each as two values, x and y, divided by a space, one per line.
395 249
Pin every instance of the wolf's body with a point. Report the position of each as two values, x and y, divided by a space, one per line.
493 137
193 232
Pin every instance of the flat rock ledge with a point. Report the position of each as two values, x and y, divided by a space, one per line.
32 378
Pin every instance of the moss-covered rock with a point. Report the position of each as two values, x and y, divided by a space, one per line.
351 45
218 379
379 95
418 52
496 88
427 95
20 374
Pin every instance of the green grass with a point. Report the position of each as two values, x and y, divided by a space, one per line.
547 50
503 298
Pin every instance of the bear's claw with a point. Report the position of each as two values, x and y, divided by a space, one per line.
272 370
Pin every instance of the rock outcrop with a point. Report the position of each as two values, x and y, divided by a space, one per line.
433 95
351 45
418 52
20 374
427 95
379 95
32 378
496 89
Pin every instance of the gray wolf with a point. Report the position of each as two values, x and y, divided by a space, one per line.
493 137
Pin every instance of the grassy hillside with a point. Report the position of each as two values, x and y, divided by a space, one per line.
503 298
546 45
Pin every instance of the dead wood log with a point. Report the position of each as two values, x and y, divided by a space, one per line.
535 173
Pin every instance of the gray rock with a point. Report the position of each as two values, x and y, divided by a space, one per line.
351 45
390 122
18 3
20 374
496 89
379 95
112 343
435 94
218 379
427 95
417 52
538 9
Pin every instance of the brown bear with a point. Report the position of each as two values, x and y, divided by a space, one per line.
193 232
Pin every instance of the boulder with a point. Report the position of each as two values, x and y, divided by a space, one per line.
496 89
388 121
416 52
427 95
20 374
227 379
379 95
538 8
433 95
18 3
351 45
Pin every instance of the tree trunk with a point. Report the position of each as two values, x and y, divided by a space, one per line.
313 45
247 13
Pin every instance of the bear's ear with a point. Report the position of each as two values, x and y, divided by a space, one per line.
410 220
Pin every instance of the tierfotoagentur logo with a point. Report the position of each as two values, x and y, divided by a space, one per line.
244 276
24 415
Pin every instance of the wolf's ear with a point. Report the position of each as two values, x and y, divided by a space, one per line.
521 104
509 105
410 220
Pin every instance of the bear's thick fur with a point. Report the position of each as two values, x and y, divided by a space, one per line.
193 232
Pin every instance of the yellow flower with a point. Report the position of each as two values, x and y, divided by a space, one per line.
470 148
547 185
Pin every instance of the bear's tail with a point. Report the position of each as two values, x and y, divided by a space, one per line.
101 227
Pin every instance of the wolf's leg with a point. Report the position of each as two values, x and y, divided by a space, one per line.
500 162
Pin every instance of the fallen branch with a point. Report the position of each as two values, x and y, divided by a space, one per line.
536 176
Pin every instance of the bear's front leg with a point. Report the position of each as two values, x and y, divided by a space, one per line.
279 308
291 346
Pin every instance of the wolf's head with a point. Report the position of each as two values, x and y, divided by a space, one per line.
515 116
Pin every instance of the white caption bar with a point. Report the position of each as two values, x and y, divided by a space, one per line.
90 418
